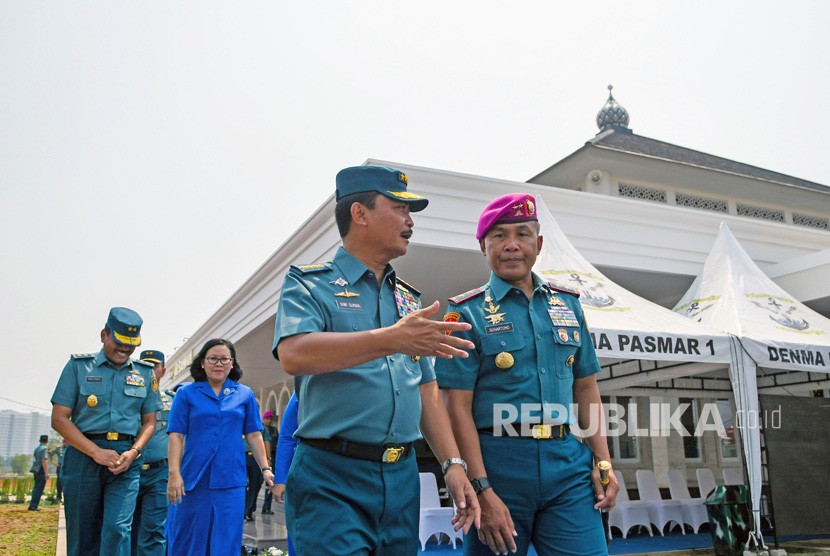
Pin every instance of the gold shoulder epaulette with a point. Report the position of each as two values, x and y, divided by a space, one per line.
462 297
557 287
408 286
306 268
82 355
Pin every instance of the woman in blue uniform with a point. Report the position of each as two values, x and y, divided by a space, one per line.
207 477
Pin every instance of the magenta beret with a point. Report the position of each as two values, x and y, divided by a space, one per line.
513 207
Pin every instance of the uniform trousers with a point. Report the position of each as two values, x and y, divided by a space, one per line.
547 486
150 514
341 505
37 490
97 504
255 481
206 522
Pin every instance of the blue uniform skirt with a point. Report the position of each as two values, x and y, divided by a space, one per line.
208 521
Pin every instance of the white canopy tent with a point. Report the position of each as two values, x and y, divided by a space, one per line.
624 325
770 329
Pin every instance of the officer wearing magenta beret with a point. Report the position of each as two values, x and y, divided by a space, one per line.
509 401
150 513
357 339
105 406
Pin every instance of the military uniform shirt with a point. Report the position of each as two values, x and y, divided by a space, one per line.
547 356
156 449
119 396
376 402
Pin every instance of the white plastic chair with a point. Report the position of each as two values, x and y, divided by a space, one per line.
661 512
733 476
627 513
705 482
693 510
435 519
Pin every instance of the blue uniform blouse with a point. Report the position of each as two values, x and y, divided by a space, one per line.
213 427
287 443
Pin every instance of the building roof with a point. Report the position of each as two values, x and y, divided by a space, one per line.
621 139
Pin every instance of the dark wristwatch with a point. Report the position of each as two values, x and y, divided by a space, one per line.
480 484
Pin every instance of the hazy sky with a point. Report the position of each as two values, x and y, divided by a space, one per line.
155 154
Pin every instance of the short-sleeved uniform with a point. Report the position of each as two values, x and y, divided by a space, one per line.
340 504
527 354
40 475
208 520
99 505
150 513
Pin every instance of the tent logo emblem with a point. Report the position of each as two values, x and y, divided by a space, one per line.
783 311
591 287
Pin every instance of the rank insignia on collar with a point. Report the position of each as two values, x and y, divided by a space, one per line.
494 317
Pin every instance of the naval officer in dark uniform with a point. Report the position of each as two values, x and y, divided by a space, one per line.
151 505
355 336
509 402
105 406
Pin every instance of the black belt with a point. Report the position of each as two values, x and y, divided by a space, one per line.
386 453
537 431
109 436
154 465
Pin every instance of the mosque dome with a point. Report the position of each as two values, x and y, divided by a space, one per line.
612 114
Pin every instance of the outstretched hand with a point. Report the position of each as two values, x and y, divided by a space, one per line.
422 336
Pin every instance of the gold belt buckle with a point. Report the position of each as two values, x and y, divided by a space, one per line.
112 436
541 432
145 467
391 455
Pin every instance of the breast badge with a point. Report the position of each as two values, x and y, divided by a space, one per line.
504 360
92 400
563 334
345 293
494 317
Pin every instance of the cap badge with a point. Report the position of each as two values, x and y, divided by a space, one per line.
403 178
531 208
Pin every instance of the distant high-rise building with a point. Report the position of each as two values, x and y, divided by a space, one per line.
20 432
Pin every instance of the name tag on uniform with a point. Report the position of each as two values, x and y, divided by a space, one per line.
95 379
499 328
133 380
349 305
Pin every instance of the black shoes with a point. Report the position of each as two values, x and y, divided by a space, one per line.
249 518
34 509
267 512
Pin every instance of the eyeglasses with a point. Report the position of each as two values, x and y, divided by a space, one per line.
214 360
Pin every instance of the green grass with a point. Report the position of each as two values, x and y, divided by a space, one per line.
25 533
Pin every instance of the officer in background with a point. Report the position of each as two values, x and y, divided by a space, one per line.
151 505
40 468
56 459
270 436
105 406
536 483
357 339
